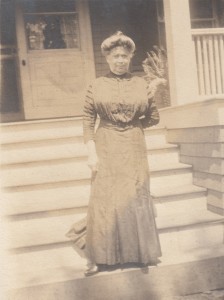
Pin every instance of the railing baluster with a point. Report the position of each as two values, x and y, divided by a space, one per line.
211 64
217 65
200 66
206 66
209 51
221 49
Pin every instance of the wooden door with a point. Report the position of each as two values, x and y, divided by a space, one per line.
55 57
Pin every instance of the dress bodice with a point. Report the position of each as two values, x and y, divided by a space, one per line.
118 99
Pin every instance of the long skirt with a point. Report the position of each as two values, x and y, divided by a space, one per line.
120 221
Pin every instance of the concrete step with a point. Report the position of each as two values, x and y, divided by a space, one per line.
210 134
170 175
189 204
61 261
212 165
49 228
46 197
177 191
32 206
203 149
45 172
40 151
210 181
185 235
163 155
28 231
215 202
65 195
186 275
188 220
48 258
77 169
43 150
155 136
20 132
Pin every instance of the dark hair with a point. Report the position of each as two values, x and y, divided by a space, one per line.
116 40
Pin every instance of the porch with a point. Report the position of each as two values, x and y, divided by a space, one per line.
202 64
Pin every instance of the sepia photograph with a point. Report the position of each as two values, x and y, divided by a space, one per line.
112 150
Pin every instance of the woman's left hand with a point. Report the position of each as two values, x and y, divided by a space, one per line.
93 162
92 156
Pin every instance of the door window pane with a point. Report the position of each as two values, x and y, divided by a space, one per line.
48 6
52 31
51 24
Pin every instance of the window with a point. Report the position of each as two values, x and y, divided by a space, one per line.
51 25
202 13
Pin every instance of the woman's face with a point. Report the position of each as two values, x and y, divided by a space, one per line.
119 59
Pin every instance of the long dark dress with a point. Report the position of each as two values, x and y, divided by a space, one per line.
120 222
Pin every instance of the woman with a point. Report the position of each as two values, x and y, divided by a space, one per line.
120 222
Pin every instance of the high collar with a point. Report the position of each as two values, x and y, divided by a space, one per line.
123 76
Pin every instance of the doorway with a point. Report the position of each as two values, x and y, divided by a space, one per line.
135 18
55 57
10 106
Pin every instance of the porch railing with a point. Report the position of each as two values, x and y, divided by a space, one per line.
209 50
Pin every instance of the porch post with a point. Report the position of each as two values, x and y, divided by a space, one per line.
180 51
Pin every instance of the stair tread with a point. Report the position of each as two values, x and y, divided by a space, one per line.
181 189
49 172
171 166
196 217
19 154
43 121
72 272
52 229
48 129
43 199
68 256
39 132
163 146
28 165
63 141
45 259
61 120
60 198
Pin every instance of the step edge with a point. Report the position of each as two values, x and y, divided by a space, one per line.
199 190
161 230
86 199
165 167
194 224
172 148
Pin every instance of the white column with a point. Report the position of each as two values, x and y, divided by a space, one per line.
180 51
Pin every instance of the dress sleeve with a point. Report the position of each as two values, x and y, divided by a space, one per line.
89 116
152 115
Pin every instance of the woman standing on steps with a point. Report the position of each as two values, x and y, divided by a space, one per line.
120 221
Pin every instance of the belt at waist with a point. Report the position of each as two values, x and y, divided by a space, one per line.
120 126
